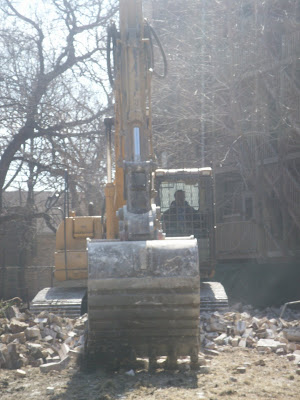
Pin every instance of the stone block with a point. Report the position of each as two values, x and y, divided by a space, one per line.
50 390
11 312
248 333
211 352
49 332
20 373
16 326
33 333
262 344
291 357
6 338
220 340
50 351
56 366
240 327
255 323
235 341
280 352
55 319
36 350
48 339
63 351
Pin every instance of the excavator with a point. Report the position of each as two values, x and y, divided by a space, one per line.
136 270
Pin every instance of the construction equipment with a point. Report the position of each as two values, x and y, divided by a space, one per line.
143 286
198 186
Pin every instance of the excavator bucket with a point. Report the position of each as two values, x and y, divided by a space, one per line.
143 299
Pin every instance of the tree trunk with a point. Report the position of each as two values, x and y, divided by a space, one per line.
24 133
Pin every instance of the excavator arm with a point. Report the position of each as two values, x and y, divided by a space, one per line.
131 78
143 293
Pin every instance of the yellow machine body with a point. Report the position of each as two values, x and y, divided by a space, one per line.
71 255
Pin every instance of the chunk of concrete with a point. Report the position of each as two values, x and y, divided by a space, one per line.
50 390
56 366
49 332
16 326
220 340
235 341
33 333
55 319
211 352
240 327
20 373
263 344
48 339
11 312
36 350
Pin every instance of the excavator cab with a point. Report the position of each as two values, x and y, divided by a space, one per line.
186 201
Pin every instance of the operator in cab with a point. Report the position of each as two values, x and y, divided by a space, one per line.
180 218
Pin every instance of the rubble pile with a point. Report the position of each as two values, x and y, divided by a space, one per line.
45 340
263 330
48 341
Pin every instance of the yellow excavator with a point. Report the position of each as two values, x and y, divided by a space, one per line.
136 269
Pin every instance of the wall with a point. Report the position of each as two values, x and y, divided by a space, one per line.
24 282
261 285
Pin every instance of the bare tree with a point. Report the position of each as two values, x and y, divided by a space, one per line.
53 90
232 99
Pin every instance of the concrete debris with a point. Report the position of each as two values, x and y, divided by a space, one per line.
242 342
45 340
130 373
221 339
20 373
274 345
33 333
55 366
17 326
50 390
249 328
211 352
49 341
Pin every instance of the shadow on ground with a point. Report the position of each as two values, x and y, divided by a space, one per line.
103 385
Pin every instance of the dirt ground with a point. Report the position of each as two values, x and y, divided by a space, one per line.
267 376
